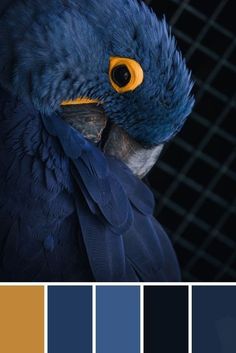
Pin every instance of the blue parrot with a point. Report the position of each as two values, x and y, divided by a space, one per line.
90 91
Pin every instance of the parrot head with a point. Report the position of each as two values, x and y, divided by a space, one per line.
114 55
145 86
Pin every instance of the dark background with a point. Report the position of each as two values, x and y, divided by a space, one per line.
195 179
165 319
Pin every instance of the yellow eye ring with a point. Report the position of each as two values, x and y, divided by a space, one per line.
125 74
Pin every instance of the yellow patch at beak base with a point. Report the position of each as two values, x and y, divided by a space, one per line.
78 101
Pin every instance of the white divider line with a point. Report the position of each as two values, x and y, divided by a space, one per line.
45 319
94 318
190 327
159 284
141 318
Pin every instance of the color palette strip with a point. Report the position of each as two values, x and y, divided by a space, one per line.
102 319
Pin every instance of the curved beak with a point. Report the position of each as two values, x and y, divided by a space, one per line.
89 118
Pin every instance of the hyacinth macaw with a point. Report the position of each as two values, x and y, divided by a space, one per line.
89 93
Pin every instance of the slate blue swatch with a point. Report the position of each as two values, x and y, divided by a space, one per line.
214 319
118 319
69 319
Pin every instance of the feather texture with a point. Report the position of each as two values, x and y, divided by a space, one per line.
84 229
61 51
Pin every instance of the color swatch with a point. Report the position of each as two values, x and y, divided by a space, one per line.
21 319
69 319
214 319
118 319
166 319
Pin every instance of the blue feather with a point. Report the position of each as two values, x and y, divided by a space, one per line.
105 249
91 165
150 252
138 193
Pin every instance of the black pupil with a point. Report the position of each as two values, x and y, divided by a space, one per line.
121 75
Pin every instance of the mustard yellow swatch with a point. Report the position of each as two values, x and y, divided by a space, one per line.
21 319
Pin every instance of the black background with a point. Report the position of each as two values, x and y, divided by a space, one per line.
195 180
166 319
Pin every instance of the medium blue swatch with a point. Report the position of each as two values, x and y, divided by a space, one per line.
118 319
214 319
69 319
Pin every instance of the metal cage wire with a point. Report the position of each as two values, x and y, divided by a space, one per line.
194 181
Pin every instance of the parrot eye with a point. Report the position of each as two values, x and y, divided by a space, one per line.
125 74
121 75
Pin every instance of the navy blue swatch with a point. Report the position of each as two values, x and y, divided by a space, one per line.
118 319
166 319
214 319
69 319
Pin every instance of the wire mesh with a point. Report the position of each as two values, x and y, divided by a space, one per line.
194 182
